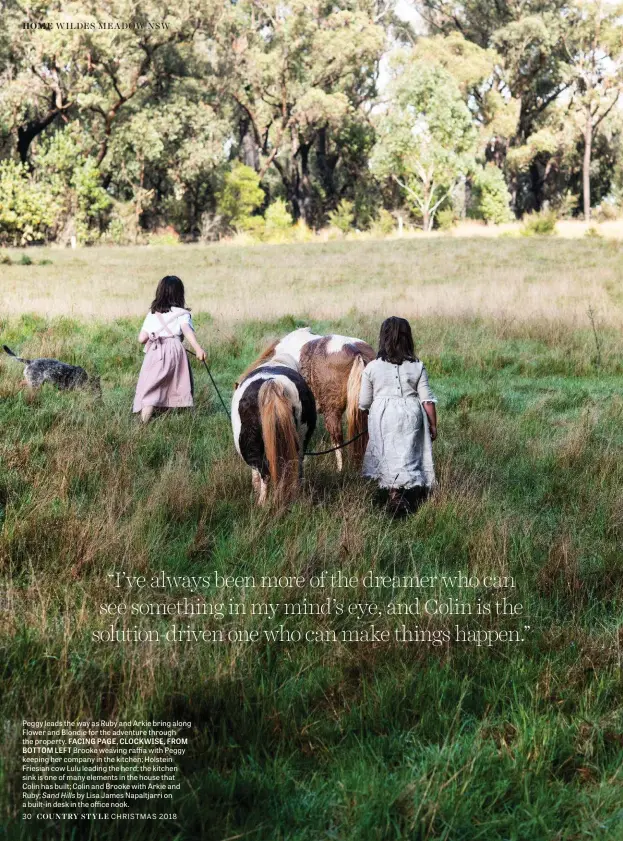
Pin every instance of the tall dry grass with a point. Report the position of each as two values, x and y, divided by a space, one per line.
517 279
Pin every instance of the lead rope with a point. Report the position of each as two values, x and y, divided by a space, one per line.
333 449
220 396
227 412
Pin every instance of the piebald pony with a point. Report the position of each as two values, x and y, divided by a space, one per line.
332 366
273 416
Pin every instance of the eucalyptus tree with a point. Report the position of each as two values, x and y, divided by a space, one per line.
529 35
39 75
299 73
426 136
594 45
128 74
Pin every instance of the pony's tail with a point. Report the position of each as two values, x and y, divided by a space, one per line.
356 420
15 356
281 443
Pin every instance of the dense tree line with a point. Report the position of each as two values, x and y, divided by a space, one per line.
125 117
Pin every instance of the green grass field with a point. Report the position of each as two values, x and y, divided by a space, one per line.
354 743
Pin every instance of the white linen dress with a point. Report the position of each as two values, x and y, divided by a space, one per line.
399 452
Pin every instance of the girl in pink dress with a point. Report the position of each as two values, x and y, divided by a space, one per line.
165 381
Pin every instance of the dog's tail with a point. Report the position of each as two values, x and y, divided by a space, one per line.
356 420
15 356
280 439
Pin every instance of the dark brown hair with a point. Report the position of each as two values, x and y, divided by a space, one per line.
396 341
169 293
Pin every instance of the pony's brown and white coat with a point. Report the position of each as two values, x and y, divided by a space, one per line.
332 366
273 417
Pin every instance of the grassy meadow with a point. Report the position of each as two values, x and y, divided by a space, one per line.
306 742
443 276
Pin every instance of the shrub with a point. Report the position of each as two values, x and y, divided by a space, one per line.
445 219
567 205
343 216
302 232
608 211
539 224
492 196
593 232
254 227
384 224
74 179
122 228
240 196
28 211
366 201
116 231
5 260
92 201
166 236
25 260
278 222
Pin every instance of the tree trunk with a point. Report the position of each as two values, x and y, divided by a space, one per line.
289 179
536 184
298 185
307 209
26 133
293 193
586 165
249 151
326 164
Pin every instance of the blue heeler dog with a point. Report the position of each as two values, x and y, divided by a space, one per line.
59 374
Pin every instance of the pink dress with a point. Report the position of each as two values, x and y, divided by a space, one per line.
165 380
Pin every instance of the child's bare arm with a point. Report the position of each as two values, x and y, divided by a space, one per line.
366 392
189 334
143 337
431 412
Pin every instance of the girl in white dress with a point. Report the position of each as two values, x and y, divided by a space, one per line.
165 381
402 420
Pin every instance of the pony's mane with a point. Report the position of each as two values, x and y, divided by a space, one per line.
262 358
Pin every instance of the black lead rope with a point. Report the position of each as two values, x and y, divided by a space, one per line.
227 412
333 449
216 388
220 396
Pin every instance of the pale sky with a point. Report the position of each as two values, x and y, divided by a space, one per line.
405 9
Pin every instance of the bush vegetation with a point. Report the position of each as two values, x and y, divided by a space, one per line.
169 130
541 224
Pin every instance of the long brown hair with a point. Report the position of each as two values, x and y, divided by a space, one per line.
396 341
169 293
